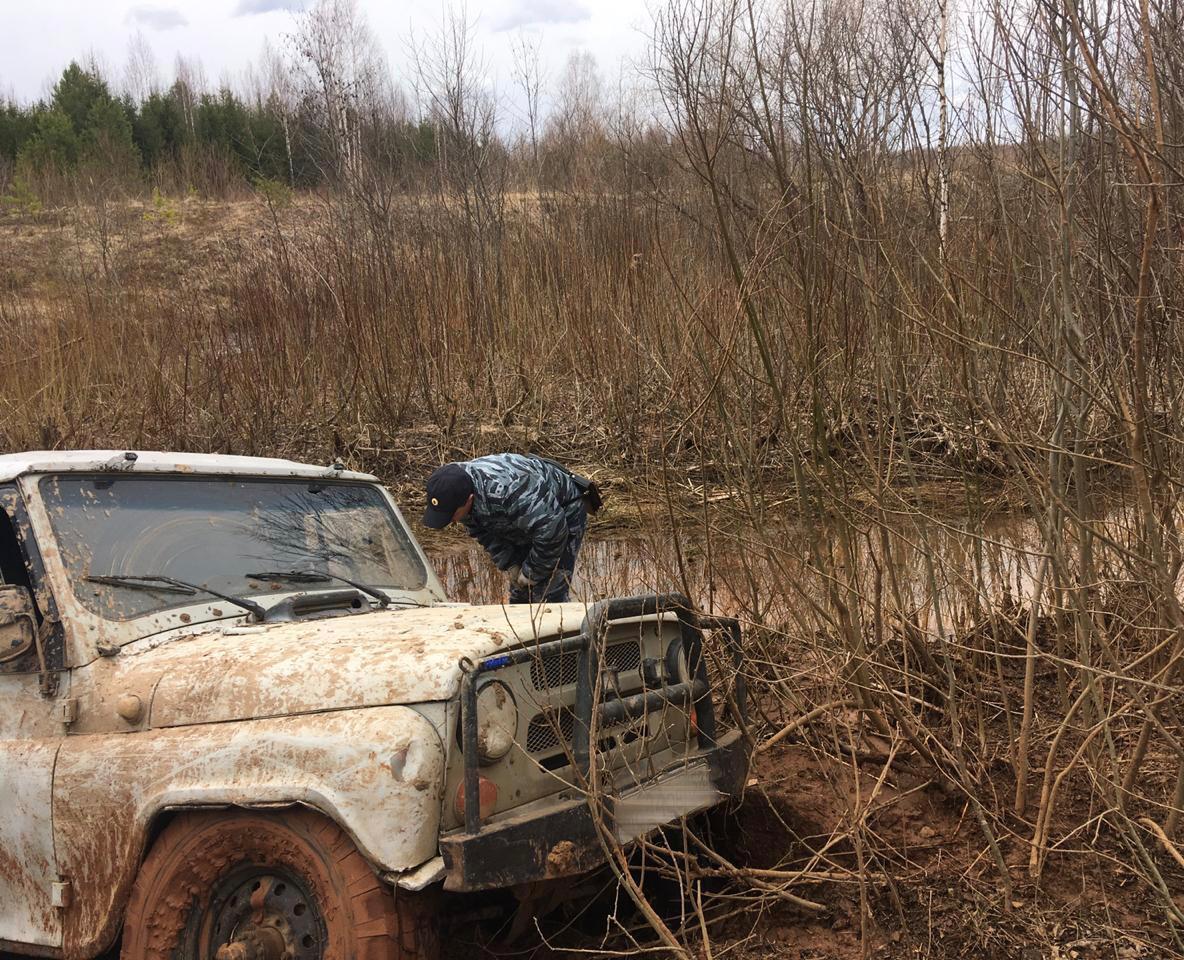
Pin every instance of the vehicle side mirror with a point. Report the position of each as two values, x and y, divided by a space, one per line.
18 622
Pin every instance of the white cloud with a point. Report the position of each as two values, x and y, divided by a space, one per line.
157 18
527 13
247 8
225 43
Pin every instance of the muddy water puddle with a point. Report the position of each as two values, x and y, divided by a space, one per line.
938 572
615 566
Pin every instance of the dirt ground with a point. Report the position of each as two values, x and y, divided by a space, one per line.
933 896
930 886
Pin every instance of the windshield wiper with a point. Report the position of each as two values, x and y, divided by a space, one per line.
316 576
135 582
115 580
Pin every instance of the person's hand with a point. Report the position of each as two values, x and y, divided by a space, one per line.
514 572
522 580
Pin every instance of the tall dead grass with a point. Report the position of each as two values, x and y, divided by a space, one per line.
784 323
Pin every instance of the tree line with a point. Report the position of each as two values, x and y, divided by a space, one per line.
322 110
83 125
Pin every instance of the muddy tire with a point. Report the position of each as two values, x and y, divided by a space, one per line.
236 885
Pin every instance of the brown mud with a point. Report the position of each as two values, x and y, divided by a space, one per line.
941 900
905 874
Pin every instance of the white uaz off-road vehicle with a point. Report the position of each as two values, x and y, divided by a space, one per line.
239 720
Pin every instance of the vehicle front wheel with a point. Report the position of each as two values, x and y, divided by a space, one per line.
237 885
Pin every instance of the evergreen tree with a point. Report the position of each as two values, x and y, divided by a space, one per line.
274 137
76 93
17 126
107 138
222 122
159 129
268 157
83 122
54 144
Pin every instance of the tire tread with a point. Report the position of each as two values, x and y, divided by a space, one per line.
384 924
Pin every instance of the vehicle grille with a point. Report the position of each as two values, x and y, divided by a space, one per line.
547 731
562 669
623 657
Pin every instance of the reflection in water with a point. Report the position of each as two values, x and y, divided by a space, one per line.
940 576
606 568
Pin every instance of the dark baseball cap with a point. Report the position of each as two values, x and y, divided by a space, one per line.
447 490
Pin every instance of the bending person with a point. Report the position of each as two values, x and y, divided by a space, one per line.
529 513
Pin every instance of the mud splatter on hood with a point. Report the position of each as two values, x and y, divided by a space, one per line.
269 670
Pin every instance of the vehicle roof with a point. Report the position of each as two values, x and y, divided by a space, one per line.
13 465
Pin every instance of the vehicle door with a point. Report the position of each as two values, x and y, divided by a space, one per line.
31 730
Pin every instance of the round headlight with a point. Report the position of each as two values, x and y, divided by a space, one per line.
677 668
497 721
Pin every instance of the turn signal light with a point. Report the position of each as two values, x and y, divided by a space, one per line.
487 796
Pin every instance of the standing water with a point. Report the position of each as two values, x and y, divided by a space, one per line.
938 573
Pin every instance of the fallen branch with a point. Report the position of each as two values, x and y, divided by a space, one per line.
801 721
1170 847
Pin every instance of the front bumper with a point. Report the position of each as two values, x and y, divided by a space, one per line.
567 834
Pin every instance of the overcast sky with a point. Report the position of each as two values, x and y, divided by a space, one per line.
40 37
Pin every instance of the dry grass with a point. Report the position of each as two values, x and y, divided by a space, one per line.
610 337
310 333
813 401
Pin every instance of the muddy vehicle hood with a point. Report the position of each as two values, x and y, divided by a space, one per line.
270 670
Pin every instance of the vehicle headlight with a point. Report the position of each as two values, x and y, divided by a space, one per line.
497 721
677 668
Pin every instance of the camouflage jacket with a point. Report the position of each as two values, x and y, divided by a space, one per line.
522 511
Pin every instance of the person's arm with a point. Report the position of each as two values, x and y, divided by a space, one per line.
500 552
544 523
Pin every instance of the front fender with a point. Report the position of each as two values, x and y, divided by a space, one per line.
377 772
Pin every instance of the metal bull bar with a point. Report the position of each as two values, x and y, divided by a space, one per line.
587 643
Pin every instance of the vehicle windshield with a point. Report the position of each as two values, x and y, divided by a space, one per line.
216 532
